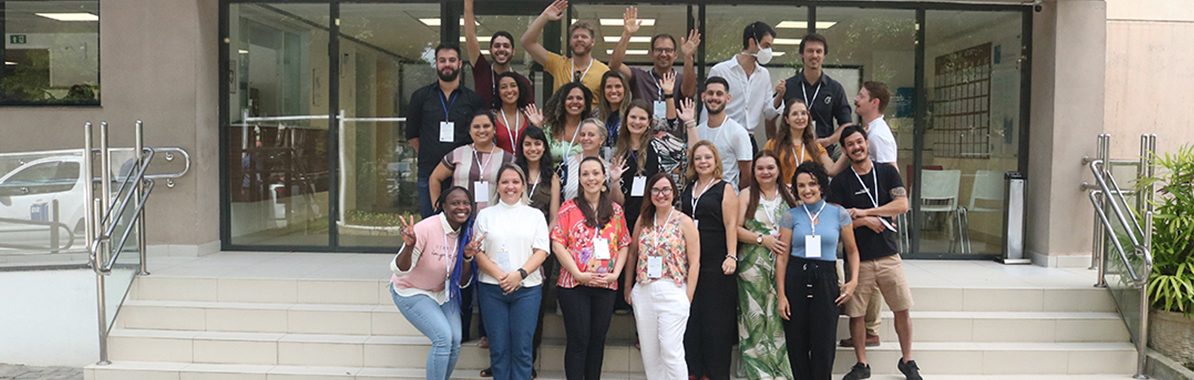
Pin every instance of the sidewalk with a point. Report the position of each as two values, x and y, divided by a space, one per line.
20 372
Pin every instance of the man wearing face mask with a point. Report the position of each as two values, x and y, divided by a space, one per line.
751 98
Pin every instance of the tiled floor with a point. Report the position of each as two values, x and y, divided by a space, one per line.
920 273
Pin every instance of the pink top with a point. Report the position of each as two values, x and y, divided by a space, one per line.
434 256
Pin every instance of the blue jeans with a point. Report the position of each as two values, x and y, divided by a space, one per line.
440 323
510 319
424 187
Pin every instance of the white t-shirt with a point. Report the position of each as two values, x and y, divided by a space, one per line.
733 144
883 143
512 233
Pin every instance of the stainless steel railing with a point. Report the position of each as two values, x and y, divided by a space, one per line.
1107 194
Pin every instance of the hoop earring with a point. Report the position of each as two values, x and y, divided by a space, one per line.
604 189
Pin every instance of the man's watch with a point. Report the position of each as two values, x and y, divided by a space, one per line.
522 272
759 239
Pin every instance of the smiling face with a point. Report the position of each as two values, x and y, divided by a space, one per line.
704 160
574 104
813 55
662 193
510 186
663 53
457 207
637 121
590 137
508 90
447 64
715 98
592 176
533 149
797 118
501 49
613 90
481 130
766 170
581 41
807 188
856 147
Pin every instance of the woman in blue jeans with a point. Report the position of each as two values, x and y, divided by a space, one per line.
514 242
429 271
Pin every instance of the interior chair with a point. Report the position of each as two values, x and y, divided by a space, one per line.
939 194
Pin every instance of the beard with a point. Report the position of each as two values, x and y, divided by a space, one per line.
715 110
448 74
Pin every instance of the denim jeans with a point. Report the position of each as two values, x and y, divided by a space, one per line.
424 187
440 323
510 319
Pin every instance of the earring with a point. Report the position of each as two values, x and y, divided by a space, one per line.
604 189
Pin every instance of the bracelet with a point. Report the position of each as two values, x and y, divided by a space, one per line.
469 259
728 256
690 123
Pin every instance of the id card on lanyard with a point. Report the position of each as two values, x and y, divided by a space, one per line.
812 241
655 263
659 106
696 198
447 129
600 246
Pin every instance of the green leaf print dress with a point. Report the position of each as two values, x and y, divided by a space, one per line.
760 328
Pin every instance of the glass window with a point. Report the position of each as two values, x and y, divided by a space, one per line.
50 51
972 75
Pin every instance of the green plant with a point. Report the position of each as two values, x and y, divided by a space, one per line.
1171 285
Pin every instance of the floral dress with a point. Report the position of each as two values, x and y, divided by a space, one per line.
760 328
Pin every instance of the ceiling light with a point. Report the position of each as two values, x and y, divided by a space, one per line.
786 41
10 63
778 54
243 51
632 39
479 38
821 25
70 16
436 21
618 21
628 52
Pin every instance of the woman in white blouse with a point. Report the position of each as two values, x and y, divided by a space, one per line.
514 242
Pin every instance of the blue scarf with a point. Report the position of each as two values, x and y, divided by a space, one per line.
466 235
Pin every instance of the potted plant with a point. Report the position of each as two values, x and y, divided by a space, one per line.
1171 284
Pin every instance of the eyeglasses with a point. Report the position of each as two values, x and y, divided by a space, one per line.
576 76
659 191
663 51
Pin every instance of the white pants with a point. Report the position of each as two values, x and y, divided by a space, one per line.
661 316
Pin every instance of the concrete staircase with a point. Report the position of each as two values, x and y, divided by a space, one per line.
235 328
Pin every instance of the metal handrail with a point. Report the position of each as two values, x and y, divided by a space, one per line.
1094 200
115 212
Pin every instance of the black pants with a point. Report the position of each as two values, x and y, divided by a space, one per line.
551 272
587 314
811 287
712 326
467 301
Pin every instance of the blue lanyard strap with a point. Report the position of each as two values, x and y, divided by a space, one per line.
446 105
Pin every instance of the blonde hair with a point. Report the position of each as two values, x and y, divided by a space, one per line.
691 173
601 131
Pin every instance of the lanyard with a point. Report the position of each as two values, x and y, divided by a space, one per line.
485 164
815 92
655 243
812 217
533 187
874 199
655 80
509 132
770 211
493 84
571 143
696 198
801 154
611 126
450 254
582 75
446 105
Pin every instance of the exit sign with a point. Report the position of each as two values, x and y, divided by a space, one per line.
16 39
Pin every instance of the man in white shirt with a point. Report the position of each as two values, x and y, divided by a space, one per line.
731 140
870 103
751 99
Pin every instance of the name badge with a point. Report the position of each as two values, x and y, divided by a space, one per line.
654 267
660 109
480 191
812 246
502 260
601 249
696 223
447 131
638 187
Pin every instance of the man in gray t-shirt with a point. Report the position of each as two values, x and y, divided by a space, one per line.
730 138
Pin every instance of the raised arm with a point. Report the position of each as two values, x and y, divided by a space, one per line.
470 33
630 25
689 47
530 39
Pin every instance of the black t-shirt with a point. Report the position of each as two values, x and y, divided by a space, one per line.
426 111
827 101
845 190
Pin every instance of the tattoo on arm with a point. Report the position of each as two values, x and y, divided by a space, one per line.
899 192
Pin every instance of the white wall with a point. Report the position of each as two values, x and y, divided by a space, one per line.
48 318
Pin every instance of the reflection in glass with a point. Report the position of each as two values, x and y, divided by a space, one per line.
50 52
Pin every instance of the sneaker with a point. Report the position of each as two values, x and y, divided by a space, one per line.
909 368
858 372
871 341
534 374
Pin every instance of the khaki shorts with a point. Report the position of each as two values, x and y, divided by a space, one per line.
884 275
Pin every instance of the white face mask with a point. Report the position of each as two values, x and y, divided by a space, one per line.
764 56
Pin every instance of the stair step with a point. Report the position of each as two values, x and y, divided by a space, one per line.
411 352
376 293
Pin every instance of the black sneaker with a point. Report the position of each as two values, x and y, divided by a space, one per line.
534 374
858 372
909 368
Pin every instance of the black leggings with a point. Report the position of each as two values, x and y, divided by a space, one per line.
712 326
587 314
550 273
811 287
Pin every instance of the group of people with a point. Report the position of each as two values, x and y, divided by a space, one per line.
618 191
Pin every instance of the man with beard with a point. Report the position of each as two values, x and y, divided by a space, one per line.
731 140
438 118
751 100
824 97
501 50
663 55
874 193
582 67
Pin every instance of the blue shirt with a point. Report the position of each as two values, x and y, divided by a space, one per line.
828 228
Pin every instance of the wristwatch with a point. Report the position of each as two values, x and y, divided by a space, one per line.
759 239
522 272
